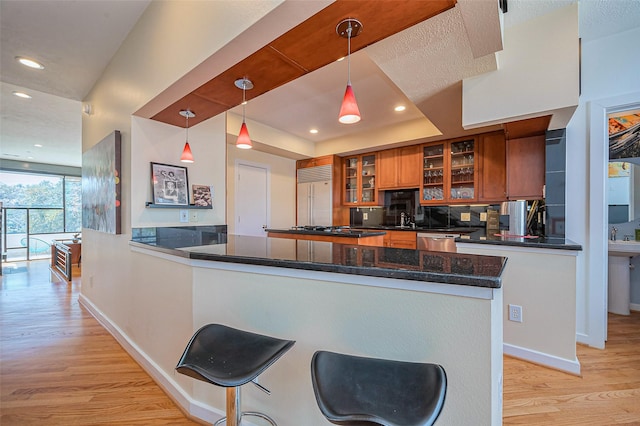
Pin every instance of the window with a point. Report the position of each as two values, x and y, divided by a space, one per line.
36 209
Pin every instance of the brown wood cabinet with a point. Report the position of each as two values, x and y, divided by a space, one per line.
449 172
400 239
314 162
488 168
493 167
360 180
525 168
399 168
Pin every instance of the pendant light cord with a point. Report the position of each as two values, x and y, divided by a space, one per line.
349 54
188 114
244 101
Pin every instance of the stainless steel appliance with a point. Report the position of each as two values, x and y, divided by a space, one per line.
514 215
315 196
437 241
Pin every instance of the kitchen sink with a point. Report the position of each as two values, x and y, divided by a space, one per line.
619 288
624 248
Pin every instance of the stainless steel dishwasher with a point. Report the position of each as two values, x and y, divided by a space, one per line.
436 241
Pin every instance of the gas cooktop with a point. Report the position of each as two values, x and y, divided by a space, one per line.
319 228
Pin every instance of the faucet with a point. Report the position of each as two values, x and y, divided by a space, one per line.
614 231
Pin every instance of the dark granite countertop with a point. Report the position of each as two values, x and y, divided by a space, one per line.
343 232
427 266
481 237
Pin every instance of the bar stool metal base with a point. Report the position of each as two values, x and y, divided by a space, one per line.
234 415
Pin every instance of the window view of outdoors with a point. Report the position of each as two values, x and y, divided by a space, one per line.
37 209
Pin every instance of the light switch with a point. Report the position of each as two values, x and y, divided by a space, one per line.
184 215
465 217
194 216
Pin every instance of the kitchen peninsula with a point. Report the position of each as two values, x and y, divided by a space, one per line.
372 301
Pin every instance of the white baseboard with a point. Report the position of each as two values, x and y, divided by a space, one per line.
546 360
194 408
634 306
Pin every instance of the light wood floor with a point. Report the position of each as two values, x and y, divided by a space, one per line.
608 393
58 366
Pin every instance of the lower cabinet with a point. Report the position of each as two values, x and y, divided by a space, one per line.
400 239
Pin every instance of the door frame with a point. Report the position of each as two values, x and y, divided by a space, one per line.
598 212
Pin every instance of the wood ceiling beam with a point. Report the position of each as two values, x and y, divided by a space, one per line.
305 48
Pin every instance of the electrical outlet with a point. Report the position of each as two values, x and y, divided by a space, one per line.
184 216
365 216
515 313
465 217
483 217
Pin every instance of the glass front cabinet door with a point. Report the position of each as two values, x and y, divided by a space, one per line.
449 172
462 171
360 180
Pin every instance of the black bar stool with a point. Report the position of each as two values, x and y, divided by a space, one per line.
230 358
356 391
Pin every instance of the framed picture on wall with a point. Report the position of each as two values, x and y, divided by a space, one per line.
202 195
170 184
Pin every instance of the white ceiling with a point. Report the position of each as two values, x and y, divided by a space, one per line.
75 39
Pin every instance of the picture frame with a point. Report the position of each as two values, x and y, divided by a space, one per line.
169 184
202 195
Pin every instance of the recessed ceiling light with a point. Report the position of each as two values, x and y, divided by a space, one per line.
400 108
29 63
38 145
313 131
21 95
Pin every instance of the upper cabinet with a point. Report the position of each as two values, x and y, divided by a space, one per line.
511 169
489 168
399 168
449 172
526 168
315 162
493 167
360 180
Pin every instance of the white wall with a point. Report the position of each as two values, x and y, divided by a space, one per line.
162 143
282 190
153 56
609 77
543 283
537 73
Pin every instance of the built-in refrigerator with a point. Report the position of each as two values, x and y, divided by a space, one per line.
315 196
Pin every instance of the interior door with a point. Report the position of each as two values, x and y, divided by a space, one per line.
252 195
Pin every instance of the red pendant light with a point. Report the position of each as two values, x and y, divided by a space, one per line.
243 141
187 155
349 112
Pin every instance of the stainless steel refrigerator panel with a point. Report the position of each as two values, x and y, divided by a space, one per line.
315 201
